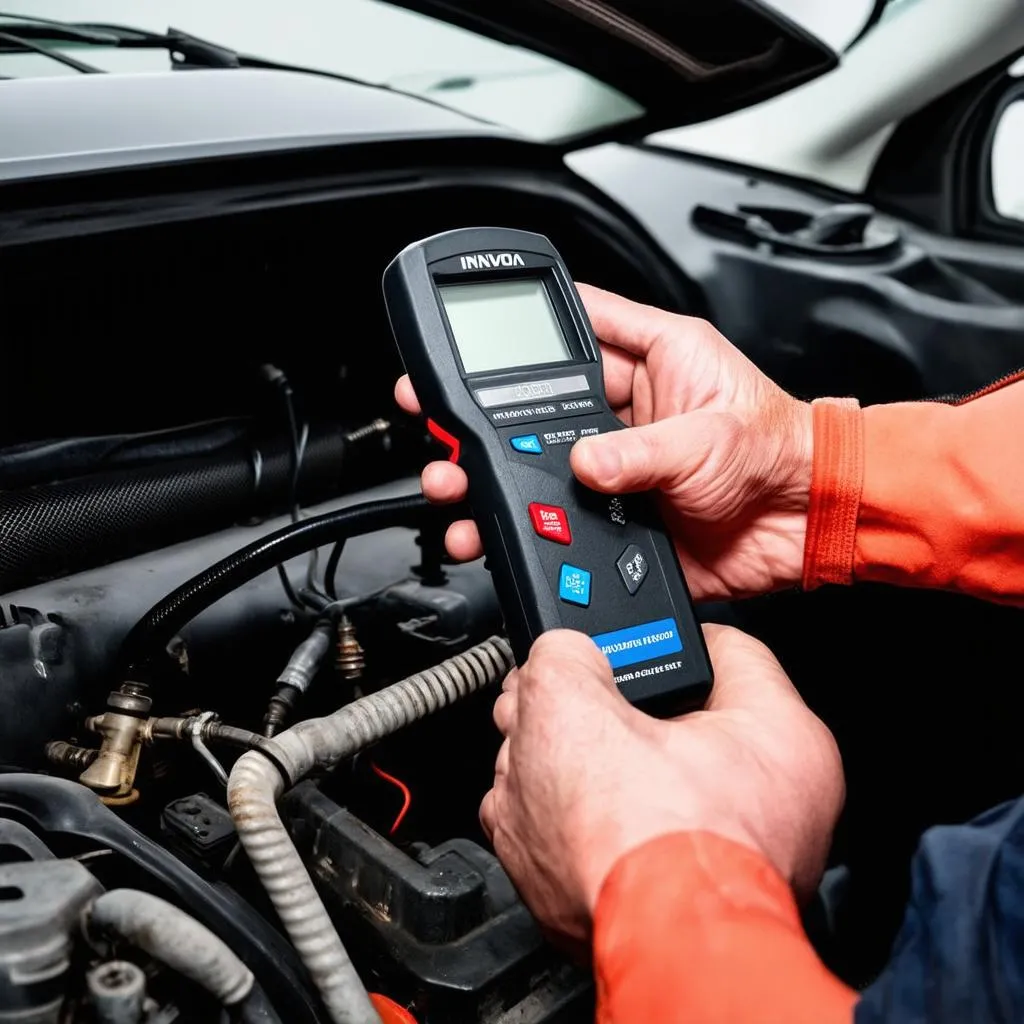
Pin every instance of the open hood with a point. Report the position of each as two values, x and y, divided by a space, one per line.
681 60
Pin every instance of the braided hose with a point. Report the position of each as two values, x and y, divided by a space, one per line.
256 784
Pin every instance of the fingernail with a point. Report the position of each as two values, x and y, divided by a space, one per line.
603 459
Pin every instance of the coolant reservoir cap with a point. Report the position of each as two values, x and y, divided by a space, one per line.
390 1012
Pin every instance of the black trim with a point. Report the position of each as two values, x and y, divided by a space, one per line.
681 62
987 222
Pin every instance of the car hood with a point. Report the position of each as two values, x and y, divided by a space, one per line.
682 61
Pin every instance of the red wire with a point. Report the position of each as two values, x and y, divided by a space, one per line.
407 796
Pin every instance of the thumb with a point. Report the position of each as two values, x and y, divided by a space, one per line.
747 675
661 455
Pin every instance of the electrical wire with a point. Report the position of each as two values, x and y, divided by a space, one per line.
406 795
330 585
297 450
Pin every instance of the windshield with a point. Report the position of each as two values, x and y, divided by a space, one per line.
375 42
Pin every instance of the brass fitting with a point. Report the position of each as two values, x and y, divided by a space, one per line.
122 728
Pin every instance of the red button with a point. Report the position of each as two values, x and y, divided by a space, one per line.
551 523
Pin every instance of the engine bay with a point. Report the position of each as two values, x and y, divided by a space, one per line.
211 538
212 532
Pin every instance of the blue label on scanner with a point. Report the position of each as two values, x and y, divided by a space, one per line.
640 643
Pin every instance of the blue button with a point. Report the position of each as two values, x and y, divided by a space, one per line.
640 643
574 585
528 443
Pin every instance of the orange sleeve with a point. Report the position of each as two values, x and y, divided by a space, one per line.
692 928
920 494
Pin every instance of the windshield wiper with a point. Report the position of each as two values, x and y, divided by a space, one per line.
186 51
14 39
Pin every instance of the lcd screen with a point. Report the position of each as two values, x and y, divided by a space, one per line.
501 324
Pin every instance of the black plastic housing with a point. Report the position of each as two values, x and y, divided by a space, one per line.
527 568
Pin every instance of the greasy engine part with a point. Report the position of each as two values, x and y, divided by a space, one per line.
68 812
350 659
175 939
256 783
297 675
117 991
122 729
39 914
441 926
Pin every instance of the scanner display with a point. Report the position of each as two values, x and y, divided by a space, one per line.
501 324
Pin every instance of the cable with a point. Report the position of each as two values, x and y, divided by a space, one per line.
151 634
406 795
330 584
297 449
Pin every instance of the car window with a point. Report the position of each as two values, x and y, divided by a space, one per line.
373 41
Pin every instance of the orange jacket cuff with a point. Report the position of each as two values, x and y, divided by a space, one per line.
694 927
837 477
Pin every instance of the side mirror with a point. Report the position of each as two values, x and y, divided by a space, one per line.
1007 159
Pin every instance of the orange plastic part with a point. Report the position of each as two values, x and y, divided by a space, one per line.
390 1012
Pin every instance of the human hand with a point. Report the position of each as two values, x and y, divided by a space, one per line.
729 450
582 777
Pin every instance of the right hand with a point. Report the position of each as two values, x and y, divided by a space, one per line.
729 450
583 778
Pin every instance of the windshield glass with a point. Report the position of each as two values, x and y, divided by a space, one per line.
375 42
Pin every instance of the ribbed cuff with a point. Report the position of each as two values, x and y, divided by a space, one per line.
837 478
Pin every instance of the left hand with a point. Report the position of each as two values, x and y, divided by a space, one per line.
583 778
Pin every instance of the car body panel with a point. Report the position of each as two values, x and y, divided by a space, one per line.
66 125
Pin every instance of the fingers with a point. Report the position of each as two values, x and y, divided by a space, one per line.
657 455
560 662
463 541
623 323
406 397
505 713
488 814
501 765
747 675
444 483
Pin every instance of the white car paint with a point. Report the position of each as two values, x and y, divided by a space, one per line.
833 129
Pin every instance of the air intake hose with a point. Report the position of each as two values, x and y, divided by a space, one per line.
64 527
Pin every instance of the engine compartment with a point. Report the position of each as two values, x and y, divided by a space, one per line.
149 322
238 387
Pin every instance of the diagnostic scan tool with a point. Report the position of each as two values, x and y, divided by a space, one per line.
500 351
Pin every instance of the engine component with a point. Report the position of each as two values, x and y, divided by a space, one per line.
174 938
117 991
199 827
122 728
297 675
68 810
66 755
40 904
256 783
155 629
55 528
442 927
351 659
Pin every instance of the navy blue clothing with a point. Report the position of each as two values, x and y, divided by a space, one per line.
959 956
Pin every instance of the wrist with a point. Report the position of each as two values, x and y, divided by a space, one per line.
796 457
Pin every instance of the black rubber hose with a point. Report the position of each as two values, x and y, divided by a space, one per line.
65 527
151 634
